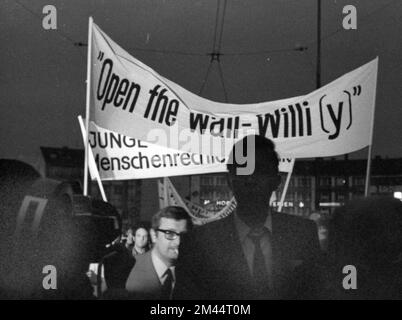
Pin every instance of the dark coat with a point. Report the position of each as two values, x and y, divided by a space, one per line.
117 266
213 264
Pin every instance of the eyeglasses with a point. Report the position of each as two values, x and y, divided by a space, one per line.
169 234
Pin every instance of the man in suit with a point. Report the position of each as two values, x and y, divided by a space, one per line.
252 253
154 276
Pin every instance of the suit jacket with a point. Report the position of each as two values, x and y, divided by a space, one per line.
213 265
143 281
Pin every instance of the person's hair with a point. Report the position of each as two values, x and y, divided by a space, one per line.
139 226
171 212
262 145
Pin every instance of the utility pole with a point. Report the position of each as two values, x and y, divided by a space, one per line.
318 85
318 67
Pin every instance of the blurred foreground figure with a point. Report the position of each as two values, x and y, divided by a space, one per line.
129 239
119 262
15 179
154 274
252 253
367 235
50 234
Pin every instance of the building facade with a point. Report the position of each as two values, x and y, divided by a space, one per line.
316 186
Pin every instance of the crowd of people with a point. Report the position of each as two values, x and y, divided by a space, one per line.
257 253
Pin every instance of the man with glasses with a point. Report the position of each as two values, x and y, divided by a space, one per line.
253 253
154 274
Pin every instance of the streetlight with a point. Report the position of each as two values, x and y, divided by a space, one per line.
398 195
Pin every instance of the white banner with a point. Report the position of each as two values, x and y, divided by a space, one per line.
130 98
119 157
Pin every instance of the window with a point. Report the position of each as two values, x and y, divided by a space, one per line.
289 196
340 181
304 182
325 196
206 180
303 196
106 188
221 181
340 197
118 190
358 181
291 182
325 181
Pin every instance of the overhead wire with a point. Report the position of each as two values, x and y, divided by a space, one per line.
61 33
215 54
217 43
205 78
218 49
57 31
173 52
326 37
216 24
223 82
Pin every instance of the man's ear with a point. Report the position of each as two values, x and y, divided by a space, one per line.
153 235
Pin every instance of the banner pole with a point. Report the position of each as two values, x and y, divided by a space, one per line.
88 100
161 193
177 197
166 191
367 184
285 188
91 161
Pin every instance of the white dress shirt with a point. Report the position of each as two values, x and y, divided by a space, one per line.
161 267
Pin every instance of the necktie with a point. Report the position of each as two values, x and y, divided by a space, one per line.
260 273
167 285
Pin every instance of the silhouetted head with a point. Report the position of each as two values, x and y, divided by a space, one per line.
253 175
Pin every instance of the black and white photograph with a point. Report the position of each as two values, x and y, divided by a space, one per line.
200 152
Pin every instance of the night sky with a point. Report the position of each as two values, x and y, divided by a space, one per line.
42 73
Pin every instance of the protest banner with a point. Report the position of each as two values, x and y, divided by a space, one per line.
130 98
127 96
118 157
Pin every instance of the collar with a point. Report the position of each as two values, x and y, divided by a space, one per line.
135 251
243 229
160 266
